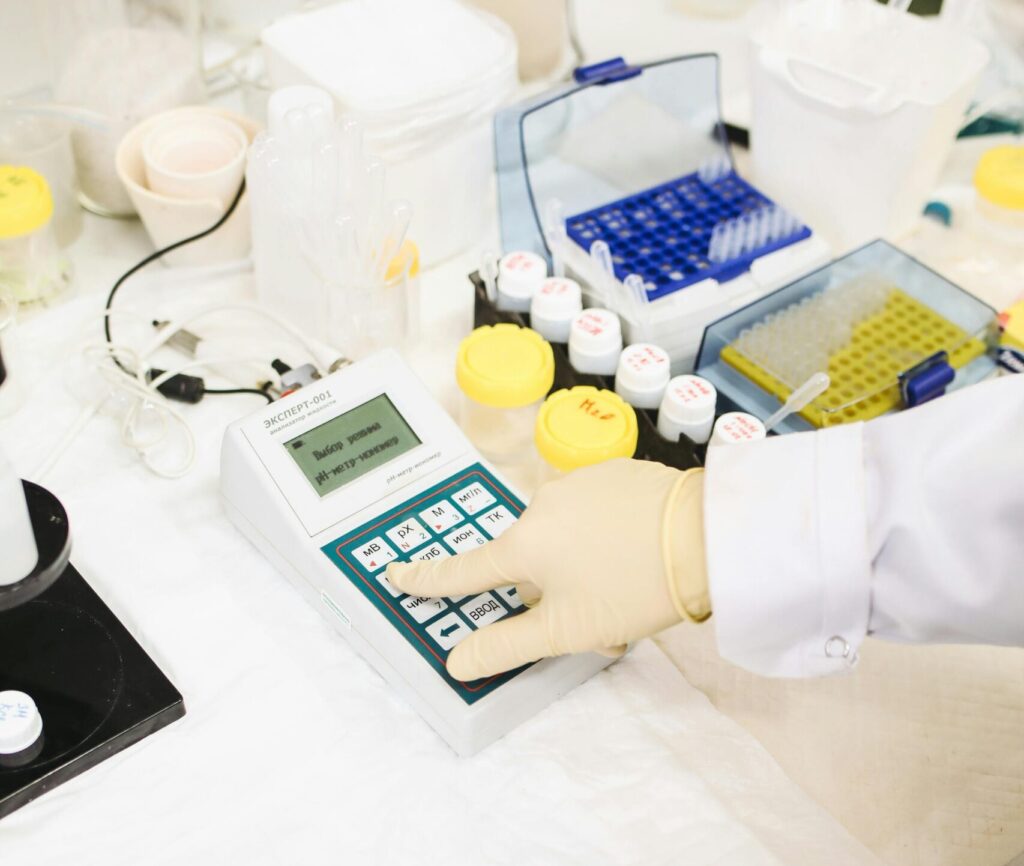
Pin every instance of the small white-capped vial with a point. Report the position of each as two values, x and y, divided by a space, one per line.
20 722
556 303
734 428
595 342
687 409
642 375
520 275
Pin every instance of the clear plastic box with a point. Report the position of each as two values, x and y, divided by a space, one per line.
889 332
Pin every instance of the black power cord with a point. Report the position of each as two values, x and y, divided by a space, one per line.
152 257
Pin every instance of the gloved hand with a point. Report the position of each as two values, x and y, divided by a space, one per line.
604 556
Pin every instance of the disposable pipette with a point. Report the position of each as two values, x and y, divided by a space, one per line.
601 253
489 274
555 235
813 388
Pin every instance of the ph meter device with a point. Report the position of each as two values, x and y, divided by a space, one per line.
363 468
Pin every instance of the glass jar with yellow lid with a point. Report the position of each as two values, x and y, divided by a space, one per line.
996 260
581 426
32 268
504 372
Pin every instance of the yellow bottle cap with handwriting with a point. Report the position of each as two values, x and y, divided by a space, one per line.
505 366
25 201
999 176
583 425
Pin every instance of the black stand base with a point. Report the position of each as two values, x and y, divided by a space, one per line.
96 689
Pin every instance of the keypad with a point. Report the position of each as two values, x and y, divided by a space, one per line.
460 514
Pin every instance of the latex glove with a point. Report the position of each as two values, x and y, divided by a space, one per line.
602 557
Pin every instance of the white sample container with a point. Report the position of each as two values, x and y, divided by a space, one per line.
734 428
856 111
424 78
557 302
504 373
687 409
642 375
520 276
595 342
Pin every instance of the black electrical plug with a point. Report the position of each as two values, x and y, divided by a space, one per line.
180 387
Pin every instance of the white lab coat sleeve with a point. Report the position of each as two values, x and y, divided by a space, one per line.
910 527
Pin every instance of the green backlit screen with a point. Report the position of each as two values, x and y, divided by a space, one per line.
347 447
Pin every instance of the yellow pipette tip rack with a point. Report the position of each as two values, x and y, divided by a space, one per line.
864 373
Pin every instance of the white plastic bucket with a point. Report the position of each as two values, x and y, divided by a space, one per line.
423 78
855 108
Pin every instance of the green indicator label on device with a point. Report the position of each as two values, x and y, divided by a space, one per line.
348 446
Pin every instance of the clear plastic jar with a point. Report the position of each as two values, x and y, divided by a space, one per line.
32 268
581 426
503 371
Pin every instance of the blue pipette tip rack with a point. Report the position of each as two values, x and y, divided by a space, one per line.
664 233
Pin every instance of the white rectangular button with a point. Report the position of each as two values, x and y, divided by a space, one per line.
474 498
497 521
423 609
483 610
388 585
374 554
442 516
464 538
510 596
408 535
448 631
435 551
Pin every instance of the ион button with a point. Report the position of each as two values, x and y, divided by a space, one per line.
448 631
473 498
408 535
421 609
441 516
374 554
483 610
465 538
495 522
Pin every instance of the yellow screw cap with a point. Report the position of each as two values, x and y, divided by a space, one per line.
25 201
999 177
505 366
583 425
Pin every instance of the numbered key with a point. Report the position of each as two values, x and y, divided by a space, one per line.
474 498
441 516
408 535
465 538
374 554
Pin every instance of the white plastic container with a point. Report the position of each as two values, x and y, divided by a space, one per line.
735 428
855 108
687 409
642 375
520 276
557 302
17 540
595 342
424 78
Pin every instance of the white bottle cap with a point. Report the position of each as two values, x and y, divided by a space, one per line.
284 99
732 428
687 409
520 275
554 306
20 722
595 342
642 375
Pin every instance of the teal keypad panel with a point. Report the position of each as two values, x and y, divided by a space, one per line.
458 514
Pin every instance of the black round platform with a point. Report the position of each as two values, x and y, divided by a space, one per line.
53 540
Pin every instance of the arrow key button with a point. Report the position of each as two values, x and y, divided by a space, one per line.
447 631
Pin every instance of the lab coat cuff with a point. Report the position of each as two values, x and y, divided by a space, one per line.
787 556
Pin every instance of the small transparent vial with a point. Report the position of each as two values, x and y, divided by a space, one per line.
557 302
734 428
687 409
520 275
595 342
503 371
642 375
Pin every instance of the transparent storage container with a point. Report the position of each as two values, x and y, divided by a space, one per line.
888 331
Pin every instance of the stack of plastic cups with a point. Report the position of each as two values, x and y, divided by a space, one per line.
687 409
595 342
642 375
504 372
557 302
520 275
582 426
